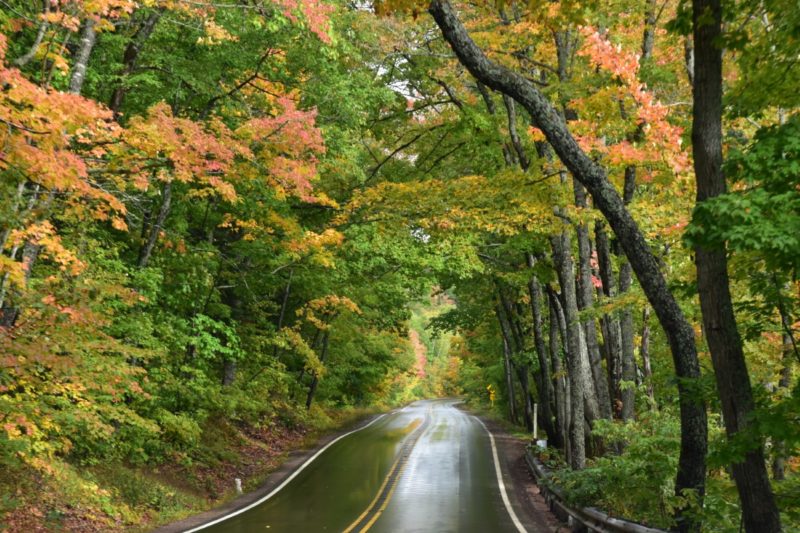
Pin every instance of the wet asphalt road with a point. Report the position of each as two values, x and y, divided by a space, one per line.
425 468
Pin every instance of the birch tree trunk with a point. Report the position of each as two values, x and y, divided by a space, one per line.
88 39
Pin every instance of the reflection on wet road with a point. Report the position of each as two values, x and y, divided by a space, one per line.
425 468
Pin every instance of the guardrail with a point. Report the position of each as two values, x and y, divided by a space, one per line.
580 519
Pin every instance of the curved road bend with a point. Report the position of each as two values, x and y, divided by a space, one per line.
426 468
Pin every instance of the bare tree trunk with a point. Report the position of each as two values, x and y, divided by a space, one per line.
88 38
694 431
759 511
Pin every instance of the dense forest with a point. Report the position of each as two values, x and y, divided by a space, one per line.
228 221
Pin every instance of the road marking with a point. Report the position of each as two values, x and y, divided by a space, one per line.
390 481
377 496
502 485
386 501
285 481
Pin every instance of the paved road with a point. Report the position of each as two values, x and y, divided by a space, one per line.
426 468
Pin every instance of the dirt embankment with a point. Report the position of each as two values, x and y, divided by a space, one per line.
119 497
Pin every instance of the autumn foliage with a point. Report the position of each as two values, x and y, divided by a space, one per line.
232 214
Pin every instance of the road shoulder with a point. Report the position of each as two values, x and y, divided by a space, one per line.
527 501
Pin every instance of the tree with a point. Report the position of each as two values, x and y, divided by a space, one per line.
759 510
691 471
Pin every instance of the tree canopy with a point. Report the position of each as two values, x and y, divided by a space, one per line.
265 213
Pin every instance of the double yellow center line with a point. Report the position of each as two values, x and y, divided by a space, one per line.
384 495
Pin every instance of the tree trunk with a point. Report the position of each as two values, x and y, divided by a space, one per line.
644 352
558 342
759 511
312 388
694 431
523 370
628 376
88 38
506 334
649 34
527 398
613 333
585 297
131 56
284 303
516 142
24 59
228 372
559 389
779 454
562 258
688 59
512 395
147 248
511 331
546 387
628 357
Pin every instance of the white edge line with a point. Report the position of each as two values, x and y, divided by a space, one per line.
285 481
500 482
